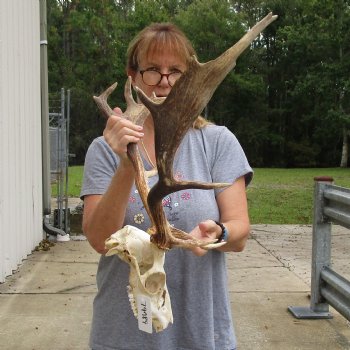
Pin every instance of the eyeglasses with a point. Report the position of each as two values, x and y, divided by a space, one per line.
153 77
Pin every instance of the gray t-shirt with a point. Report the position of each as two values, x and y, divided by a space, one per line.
197 285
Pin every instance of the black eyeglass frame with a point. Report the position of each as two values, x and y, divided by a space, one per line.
161 76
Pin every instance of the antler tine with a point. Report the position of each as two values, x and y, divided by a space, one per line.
136 112
127 93
101 101
184 240
250 36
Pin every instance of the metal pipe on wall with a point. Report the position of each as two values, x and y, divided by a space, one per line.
45 141
44 111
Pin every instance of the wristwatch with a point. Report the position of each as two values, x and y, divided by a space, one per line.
224 232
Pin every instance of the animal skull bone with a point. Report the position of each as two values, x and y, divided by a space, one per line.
147 276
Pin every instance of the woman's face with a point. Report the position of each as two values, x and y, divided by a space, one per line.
164 63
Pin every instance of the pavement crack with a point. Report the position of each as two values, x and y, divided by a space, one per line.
66 290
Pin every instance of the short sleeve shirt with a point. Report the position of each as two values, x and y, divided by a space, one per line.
197 285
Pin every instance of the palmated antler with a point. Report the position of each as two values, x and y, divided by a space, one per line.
175 115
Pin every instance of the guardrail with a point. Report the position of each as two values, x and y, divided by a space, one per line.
331 205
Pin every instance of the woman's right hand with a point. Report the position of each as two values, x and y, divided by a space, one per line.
119 132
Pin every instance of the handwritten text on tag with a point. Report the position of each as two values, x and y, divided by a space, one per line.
144 312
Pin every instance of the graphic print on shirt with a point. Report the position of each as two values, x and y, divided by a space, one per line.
139 218
186 196
136 203
167 202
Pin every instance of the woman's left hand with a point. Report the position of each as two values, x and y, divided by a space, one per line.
206 231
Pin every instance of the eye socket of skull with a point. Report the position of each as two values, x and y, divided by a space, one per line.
155 283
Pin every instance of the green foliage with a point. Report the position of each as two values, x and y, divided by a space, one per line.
312 46
288 99
212 27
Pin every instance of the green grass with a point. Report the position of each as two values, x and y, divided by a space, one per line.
275 196
75 177
284 196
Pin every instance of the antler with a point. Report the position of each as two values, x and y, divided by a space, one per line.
184 103
137 113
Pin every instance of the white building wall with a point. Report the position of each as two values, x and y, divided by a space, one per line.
20 133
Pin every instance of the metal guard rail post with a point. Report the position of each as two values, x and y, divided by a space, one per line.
331 205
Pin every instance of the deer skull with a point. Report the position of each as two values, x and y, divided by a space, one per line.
147 275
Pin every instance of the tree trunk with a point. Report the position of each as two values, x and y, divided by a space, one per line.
345 149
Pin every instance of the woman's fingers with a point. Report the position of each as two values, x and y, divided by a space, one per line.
119 132
205 231
117 111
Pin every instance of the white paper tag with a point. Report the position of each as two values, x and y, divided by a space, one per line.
144 312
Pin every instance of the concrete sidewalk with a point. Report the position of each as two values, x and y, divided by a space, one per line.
46 304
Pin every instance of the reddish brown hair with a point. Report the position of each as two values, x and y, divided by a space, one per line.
155 39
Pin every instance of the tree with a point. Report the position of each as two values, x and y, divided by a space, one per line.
88 40
287 100
315 43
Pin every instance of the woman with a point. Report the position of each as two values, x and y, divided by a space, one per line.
196 279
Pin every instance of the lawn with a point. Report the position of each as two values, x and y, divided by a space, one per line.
275 196
284 196
75 177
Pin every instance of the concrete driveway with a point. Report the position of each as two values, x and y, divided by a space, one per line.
46 304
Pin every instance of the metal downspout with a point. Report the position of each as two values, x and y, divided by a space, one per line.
45 142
